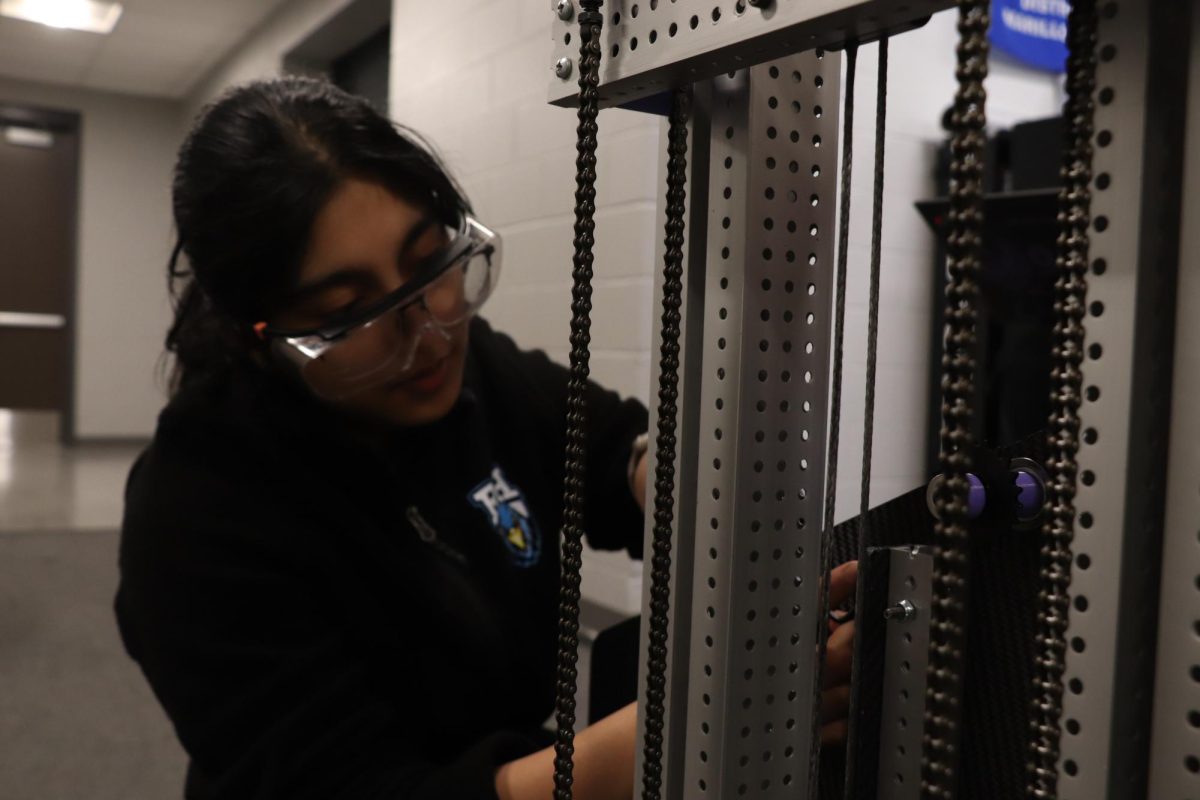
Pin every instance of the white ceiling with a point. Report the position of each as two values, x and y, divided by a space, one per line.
160 48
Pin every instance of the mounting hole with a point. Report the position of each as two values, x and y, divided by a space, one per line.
674 29
1107 95
1103 181
716 14
694 22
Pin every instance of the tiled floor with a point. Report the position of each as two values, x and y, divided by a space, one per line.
77 718
46 486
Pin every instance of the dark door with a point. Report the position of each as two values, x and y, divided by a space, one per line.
363 70
38 185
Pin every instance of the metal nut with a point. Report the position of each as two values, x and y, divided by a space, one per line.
563 68
902 611
565 9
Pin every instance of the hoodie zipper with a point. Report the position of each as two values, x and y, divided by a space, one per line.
427 534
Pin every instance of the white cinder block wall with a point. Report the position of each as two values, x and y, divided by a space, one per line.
921 86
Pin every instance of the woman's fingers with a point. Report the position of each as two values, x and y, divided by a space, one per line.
841 583
834 733
839 650
835 703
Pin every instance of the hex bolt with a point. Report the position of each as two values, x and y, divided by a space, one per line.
565 9
563 68
903 611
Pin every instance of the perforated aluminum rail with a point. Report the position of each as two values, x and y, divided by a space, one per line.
1126 409
755 377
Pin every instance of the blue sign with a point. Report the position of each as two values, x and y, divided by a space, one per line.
1032 31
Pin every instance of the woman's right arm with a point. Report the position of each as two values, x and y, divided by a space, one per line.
604 754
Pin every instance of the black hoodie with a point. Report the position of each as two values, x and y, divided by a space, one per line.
327 617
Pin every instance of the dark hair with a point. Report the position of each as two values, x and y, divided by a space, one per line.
252 175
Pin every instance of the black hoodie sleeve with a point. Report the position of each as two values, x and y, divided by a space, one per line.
612 518
270 695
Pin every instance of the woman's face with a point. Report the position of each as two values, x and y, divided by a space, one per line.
365 243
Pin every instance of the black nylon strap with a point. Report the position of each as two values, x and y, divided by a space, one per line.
835 418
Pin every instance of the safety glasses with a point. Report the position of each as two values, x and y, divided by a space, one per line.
379 344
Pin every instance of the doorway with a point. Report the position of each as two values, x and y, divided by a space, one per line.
352 50
39 170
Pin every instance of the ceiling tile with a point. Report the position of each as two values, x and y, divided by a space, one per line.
159 47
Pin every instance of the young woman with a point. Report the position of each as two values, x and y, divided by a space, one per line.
339 563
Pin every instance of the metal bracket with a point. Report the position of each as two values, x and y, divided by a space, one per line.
651 46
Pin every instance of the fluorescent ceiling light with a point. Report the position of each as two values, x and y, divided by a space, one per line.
93 16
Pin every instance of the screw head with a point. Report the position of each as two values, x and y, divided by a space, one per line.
565 9
563 68
903 611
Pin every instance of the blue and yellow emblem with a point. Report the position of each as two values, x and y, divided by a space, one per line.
506 509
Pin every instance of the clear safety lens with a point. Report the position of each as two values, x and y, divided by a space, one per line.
385 349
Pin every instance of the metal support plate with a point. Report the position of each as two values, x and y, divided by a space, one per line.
901 727
650 46
1175 747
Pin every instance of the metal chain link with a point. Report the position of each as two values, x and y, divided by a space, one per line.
1066 382
590 22
664 470
943 696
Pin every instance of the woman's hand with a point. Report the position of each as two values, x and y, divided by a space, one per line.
835 699
603 764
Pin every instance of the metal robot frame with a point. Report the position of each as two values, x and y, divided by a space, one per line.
754 389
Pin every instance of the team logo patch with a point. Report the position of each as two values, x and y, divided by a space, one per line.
506 509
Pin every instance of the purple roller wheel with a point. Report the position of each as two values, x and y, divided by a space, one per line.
1031 495
976 496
